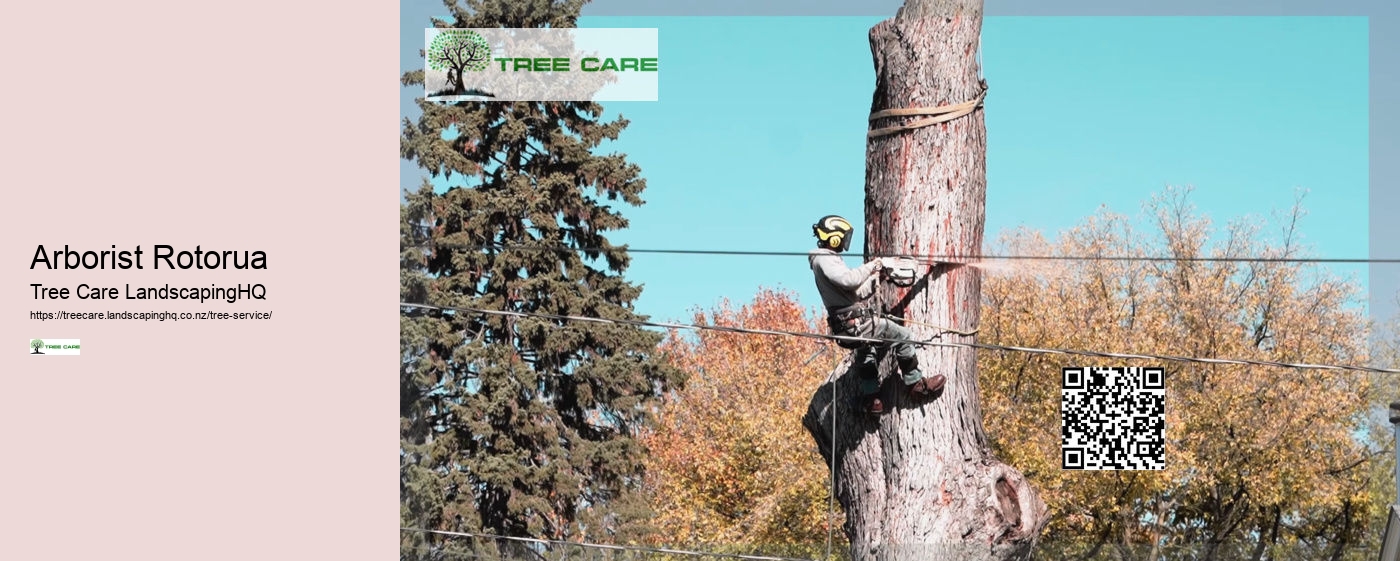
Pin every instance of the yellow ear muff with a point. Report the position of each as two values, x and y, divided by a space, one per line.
832 231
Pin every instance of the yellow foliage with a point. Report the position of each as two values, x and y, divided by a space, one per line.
1247 447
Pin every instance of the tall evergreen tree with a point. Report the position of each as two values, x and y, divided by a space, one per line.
518 426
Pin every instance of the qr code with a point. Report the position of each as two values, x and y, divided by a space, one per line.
1113 418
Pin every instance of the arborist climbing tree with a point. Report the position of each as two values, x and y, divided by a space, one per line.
847 294
920 482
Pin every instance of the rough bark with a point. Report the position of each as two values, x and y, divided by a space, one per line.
920 481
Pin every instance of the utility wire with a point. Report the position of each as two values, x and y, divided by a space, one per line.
947 259
605 546
428 548
927 343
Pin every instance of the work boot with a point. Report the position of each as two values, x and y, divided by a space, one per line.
869 400
921 387
927 387
871 405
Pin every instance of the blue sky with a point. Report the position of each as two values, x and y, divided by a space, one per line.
760 130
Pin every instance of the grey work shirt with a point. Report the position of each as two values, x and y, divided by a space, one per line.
839 285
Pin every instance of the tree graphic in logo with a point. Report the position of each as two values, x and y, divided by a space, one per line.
458 51
36 344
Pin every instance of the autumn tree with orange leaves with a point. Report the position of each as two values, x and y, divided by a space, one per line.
730 466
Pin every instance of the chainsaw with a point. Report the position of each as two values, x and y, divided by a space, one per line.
901 271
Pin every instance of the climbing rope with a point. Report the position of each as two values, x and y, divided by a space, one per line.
940 328
941 114
831 490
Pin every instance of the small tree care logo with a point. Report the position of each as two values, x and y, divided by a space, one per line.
54 347
473 65
456 52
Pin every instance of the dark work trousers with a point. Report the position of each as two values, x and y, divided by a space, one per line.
868 357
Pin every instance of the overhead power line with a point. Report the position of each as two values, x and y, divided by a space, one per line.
605 546
927 343
949 259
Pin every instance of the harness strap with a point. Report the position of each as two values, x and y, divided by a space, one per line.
857 310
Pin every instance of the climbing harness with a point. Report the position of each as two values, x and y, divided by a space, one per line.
856 320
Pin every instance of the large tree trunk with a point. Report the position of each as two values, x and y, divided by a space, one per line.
920 482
